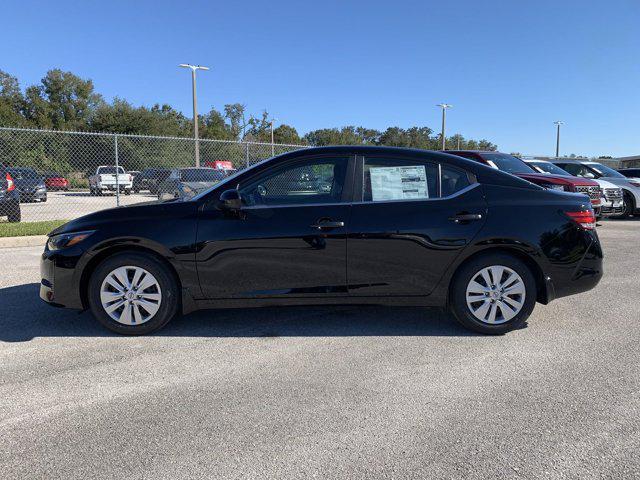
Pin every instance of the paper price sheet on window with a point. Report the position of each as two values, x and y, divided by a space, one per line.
398 183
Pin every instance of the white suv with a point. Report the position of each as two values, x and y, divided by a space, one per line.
611 198
594 170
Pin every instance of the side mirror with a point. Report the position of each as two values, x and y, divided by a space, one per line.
230 200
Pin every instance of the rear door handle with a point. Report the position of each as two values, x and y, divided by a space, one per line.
324 225
465 217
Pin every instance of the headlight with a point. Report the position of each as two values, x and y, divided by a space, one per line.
66 240
553 186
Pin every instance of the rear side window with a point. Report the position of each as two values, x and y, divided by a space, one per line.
387 179
453 180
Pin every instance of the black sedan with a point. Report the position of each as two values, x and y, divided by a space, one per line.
9 197
29 184
188 182
149 179
382 226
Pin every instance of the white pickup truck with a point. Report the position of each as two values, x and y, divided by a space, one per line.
106 180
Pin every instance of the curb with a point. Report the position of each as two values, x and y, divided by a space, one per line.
28 241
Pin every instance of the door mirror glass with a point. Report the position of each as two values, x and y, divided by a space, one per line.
230 200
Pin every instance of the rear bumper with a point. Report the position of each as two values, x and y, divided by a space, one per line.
580 271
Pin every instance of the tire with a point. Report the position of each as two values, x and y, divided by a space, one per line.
503 322
14 215
165 285
43 199
629 206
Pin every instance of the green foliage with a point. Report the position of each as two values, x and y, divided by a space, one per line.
25 229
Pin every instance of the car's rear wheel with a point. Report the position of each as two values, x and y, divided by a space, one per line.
13 213
493 294
629 205
133 293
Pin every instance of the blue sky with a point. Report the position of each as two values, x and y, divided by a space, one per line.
510 68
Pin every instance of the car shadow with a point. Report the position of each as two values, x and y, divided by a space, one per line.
26 317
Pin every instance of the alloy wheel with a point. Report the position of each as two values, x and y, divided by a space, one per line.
130 295
495 294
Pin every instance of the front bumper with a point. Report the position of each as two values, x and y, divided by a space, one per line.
611 207
59 285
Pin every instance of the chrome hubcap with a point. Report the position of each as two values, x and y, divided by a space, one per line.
130 295
495 294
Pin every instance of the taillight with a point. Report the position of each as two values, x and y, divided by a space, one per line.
585 218
10 185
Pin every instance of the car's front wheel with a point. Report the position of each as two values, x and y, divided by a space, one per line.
133 293
493 294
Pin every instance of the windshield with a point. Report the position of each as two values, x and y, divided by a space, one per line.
508 163
547 167
201 175
23 173
109 170
604 170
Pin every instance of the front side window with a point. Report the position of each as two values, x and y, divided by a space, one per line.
317 180
577 170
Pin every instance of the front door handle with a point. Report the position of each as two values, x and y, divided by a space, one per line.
327 224
465 217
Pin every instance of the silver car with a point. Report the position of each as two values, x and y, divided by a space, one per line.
588 169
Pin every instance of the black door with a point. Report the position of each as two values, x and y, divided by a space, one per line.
415 217
289 239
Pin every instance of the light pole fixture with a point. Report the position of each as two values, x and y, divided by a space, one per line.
444 107
195 106
558 123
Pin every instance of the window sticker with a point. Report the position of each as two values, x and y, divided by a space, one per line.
398 183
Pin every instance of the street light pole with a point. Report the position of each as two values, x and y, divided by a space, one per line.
273 151
558 123
195 106
444 107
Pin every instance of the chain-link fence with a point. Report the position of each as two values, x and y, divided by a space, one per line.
62 175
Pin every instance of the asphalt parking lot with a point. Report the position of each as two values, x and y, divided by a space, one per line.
337 392
73 204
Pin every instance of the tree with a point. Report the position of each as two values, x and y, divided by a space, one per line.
287 134
11 101
63 101
235 114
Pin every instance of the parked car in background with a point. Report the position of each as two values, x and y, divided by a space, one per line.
188 182
9 198
54 181
594 170
134 174
109 179
611 197
516 166
421 228
29 184
630 172
150 179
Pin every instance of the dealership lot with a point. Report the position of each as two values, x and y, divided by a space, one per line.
325 391
64 205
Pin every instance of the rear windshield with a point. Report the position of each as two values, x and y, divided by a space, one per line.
201 175
109 170
508 163
547 167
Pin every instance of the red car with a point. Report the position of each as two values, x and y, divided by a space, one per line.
515 166
55 181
